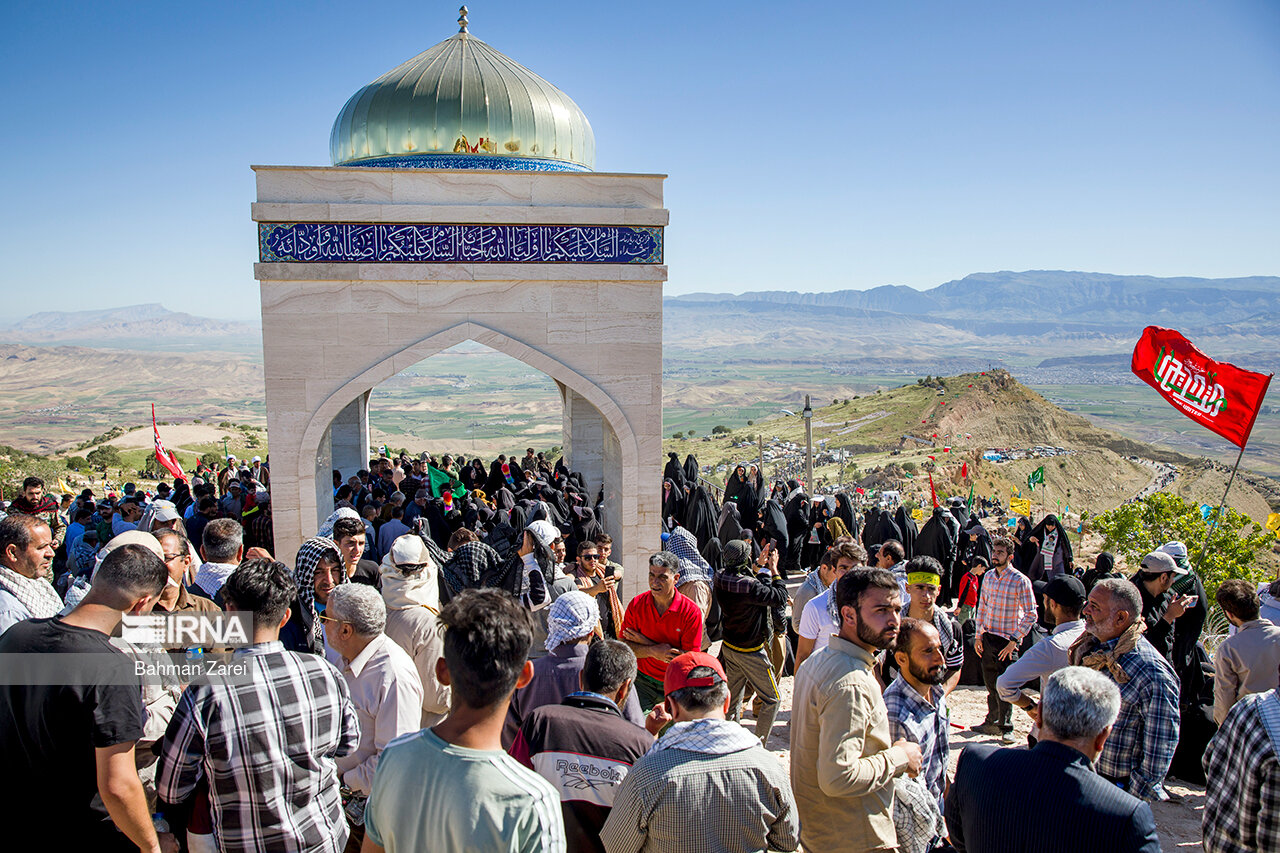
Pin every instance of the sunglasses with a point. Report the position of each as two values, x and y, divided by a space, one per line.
591 556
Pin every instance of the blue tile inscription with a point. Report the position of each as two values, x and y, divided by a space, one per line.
389 243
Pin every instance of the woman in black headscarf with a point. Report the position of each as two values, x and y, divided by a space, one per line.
796 510
1023 550
743 492
1053 555
674 472
672 503
700 515
869 519
907 527
1104 567
886 528
690 471
730 527
585 529
844 511
818 539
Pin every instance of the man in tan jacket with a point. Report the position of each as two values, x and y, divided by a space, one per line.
842 763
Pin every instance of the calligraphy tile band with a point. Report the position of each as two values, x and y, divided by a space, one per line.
389 242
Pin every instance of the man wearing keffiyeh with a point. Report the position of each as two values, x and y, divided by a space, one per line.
26 553
1138 754
706 784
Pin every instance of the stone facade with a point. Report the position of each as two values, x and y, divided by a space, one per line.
333 331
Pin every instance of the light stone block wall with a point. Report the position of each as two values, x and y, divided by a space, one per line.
332 332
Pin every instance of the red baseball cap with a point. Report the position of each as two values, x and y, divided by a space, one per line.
678 670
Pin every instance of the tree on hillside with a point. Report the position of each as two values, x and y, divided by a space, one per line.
77 463
211 459
1230 551
720 429
104 457
677 435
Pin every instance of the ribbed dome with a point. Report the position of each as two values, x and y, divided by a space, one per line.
462 104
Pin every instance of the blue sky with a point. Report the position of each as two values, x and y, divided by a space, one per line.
810 146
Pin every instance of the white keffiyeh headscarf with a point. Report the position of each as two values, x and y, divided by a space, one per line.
35 594
572 616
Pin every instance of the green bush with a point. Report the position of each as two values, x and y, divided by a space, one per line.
77 463
720 429
1229 550
104 457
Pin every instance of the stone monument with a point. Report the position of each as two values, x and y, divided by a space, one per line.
462 205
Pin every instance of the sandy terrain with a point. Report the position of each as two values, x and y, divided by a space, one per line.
178 437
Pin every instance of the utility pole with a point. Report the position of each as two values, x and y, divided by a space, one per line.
808 444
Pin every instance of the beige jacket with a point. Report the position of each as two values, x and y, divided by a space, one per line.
1246 662
842 763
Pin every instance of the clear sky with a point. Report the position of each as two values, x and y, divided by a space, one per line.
810 146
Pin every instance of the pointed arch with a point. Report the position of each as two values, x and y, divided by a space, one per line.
388 366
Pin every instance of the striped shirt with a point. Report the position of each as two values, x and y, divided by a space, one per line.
266 743
1007 606
1145 734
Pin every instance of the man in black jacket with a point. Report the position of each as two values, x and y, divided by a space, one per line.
746 600
1049 799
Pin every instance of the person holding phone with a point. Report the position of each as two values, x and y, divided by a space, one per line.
1161 607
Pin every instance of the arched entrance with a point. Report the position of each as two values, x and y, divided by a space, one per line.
584 307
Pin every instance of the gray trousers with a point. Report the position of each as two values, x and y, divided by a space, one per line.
752 668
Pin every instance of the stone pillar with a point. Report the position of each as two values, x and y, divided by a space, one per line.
349 434
584 430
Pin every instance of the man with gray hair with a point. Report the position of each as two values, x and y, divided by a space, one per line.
384 683
222 548
1141 747
1049 799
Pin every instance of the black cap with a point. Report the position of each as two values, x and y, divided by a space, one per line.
1067 591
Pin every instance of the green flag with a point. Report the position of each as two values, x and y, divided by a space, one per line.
442 481
969 503
1036 476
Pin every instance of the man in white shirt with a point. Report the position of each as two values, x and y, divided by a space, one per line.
384 683
816 623
1064 598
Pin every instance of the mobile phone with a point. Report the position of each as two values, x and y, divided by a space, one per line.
1195 599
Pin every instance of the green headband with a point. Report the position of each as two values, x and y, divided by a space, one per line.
924 577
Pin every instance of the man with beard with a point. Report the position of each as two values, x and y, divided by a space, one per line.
916 700
33 501
843 762
1006 613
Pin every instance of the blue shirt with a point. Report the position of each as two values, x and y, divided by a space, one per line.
923 722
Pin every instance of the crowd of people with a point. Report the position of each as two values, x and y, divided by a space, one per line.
448 665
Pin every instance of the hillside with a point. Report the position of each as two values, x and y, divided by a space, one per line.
147 327
890 434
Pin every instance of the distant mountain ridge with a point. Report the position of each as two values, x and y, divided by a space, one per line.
1061 299
148 326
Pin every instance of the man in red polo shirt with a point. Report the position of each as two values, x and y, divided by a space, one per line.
659 625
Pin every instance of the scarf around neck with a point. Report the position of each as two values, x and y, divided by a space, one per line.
1085 651
710 737
35 594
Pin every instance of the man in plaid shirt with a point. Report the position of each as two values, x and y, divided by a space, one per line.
1006 612
1138 753
1242 765
265 741
916 700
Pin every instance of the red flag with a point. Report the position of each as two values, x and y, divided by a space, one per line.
164 457
932 491
935 435
946 450
1219 396
934 458
964 470
860 490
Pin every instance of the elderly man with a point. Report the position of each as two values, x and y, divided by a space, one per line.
222 549
585 739
572 623
384 686
1006 613
706 784
1248 661
1064 597
659 624
842 760
178 559
411 590
1242 768
1141 746
1048 799
26 553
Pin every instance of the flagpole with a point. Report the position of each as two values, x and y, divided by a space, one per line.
1222 506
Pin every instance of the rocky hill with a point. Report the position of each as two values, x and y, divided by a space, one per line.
150 327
